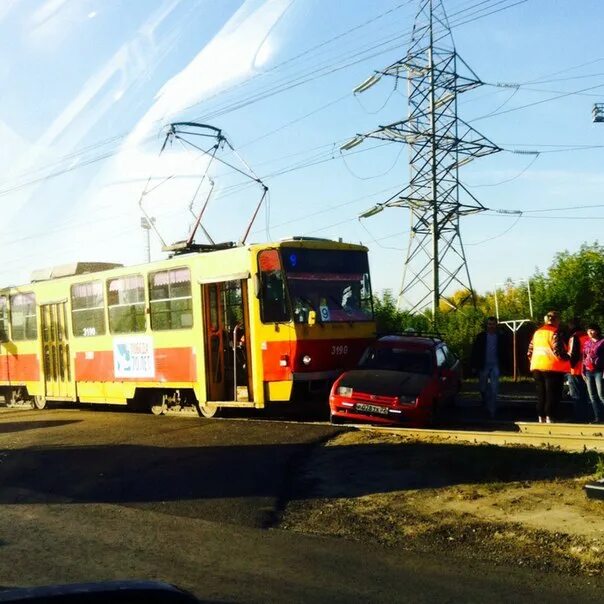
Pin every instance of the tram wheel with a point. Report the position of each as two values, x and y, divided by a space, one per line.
208 411
39 402
158 404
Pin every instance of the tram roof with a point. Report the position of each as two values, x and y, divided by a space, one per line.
76 269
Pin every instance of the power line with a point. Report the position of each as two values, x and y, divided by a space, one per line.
315 73
501 182
499 235
540 102
228 108
439 141
559 209
556 217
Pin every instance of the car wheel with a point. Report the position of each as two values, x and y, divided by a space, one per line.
334 419
433 416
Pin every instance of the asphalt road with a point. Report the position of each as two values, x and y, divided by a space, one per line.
90 495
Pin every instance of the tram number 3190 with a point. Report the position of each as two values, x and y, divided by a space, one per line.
339 350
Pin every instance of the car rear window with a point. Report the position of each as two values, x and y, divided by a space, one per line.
397 359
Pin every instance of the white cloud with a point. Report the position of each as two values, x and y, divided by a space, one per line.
102 88
241 46
236 51
108 211
50 9
6 6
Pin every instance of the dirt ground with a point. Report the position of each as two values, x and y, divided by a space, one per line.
517 505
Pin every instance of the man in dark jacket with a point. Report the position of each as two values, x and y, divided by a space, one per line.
488 355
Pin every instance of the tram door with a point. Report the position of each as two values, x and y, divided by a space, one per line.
55 351
226 326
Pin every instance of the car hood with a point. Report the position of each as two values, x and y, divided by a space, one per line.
385 383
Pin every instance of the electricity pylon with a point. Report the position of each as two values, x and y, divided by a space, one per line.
439 143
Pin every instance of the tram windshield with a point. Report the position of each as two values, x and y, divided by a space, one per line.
333 283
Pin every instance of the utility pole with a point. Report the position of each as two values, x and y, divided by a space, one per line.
147 225
514 325
440 142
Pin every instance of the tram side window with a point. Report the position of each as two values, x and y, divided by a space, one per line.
273 301
126 302
88 309
3 319
23 320
170 299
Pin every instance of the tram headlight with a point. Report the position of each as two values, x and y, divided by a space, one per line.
306 359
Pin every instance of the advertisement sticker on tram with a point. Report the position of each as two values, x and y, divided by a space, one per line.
133 357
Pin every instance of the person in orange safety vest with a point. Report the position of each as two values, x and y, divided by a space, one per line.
549 363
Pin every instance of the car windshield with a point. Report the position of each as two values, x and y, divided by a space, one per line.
397 359
333 283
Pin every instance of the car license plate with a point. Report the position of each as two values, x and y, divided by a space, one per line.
371 409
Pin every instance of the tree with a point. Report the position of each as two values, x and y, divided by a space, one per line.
573 284
391 320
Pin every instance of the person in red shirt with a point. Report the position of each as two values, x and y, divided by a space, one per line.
593 365
576 384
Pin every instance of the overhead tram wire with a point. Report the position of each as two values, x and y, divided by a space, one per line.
315 67
377 241
118 137
312 75
326 210
133 229
264 95
315 160
295 120
381 174
104 156
304 54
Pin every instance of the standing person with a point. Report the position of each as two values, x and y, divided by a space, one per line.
549 362
488 354
593 364
576 383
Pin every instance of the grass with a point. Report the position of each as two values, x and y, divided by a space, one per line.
600 467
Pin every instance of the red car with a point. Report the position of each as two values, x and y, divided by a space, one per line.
402 379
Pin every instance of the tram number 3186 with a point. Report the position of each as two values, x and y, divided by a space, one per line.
339 350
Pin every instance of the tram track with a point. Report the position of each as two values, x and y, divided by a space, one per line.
564 436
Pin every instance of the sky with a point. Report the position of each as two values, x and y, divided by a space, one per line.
89 87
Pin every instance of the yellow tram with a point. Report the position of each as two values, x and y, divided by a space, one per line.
231 326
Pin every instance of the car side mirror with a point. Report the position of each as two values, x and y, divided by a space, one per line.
312 317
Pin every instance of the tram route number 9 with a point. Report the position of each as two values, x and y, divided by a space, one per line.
339 350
